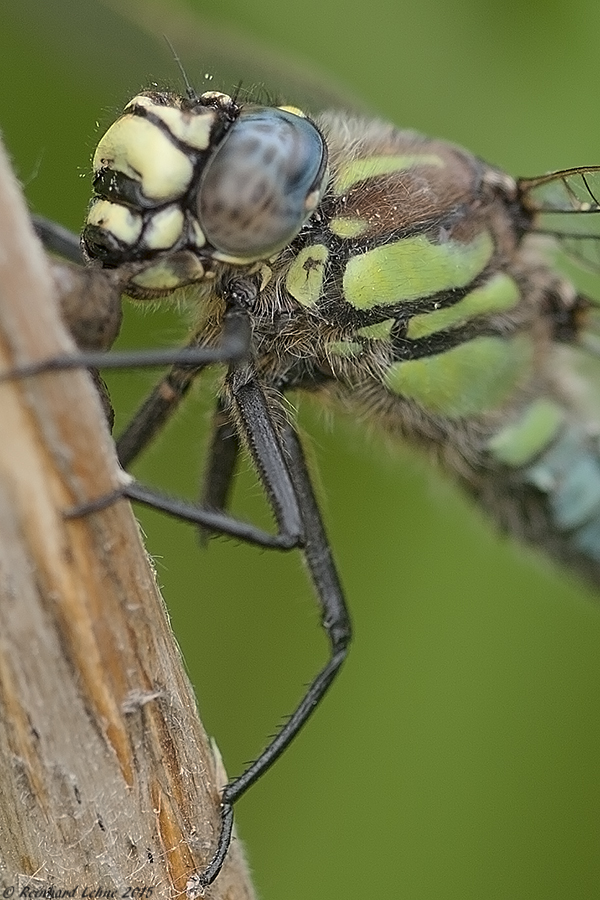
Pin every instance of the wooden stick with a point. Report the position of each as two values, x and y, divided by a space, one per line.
107 780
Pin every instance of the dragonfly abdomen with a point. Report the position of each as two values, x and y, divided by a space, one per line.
560 483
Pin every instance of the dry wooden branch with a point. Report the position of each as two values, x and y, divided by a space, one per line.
107 780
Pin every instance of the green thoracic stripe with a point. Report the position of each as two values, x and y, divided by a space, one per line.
497 294
348 227
521 441
345 349
357 170
377 331
304 279
470 379
413 267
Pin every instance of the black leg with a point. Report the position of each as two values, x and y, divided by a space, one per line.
234 345
155 411
222 460
269 459
280 463
58 239
209 519
152 416
251 406
257 426
335 620
220 467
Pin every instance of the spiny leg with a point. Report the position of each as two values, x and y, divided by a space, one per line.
222 460
233 346
58 239
156 410
270 462
268 457
152 416
325 579
221 464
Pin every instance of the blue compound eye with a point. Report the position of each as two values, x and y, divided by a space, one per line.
262 183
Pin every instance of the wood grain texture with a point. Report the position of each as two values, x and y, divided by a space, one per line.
107 779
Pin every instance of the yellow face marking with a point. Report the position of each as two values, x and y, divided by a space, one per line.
347 227
357 170
470 379
218 96
193 129
116 219
166 275
413 267
499 293
164 229
198 235
141 100
140 150
304 279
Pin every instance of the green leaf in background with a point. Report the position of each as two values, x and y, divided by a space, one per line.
457 756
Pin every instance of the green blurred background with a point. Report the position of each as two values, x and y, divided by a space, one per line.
457 756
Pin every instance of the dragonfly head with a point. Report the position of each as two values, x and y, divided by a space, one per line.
183 187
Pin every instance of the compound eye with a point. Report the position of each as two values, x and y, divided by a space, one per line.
262 184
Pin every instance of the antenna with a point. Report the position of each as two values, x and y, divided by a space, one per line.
191 93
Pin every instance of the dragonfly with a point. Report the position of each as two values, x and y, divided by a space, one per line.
393 275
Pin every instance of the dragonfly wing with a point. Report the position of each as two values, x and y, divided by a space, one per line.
566 205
